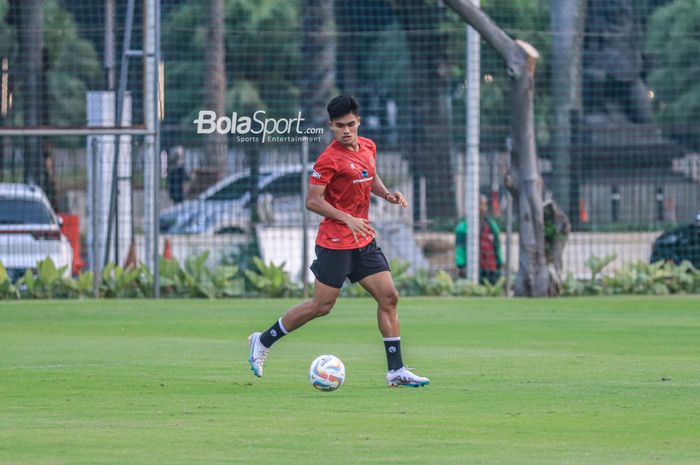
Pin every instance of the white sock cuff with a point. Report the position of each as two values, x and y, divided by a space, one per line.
284 330
392 339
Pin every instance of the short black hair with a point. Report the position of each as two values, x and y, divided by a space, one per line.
342 105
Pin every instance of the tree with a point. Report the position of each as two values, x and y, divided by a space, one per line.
527 20
674 43
262 68
525 182
615 94
50 68
7 33
567 18
31 49
70 63
318 57
7 41
429 144
73 67
215 84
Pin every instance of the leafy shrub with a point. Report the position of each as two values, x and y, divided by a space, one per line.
242 255
48 283
440 285
7 289
572 287
399 273
196 280
122 283
83 284
596 265
660 278
226 283
464 288
270 280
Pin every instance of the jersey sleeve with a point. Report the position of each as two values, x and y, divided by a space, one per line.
373 148
323 172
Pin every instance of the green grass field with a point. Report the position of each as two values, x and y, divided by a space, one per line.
583 381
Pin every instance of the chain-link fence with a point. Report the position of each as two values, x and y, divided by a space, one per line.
245 84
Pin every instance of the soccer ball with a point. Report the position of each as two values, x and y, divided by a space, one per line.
327 373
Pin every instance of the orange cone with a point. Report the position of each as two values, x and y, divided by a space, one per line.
582 213
131 257
670 213
168 251
495 204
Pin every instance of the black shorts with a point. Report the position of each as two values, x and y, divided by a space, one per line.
331 267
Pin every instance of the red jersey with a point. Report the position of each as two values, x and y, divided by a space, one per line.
487 250
348 178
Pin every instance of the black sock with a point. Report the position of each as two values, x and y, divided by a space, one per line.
273 334
393 352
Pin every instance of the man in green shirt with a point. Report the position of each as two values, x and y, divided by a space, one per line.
490 256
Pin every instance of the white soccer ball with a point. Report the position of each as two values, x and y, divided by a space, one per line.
327 373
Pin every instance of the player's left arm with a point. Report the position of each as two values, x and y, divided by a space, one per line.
380 190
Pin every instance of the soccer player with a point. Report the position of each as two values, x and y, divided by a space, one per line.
342 180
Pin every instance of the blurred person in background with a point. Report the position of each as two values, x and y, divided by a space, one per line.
490 255
177 176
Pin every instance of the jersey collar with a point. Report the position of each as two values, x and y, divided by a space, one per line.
360 146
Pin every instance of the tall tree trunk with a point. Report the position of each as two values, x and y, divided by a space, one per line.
4 112
533 274
429 147
319 61
215 85
48 161
31 45
567 21
253 155
525 181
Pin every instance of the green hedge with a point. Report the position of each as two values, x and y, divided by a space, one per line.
640 278
194 279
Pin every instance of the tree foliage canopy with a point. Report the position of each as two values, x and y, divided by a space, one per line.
674 44
73 64
262 57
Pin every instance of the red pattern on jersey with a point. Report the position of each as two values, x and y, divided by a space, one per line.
487 249
348 178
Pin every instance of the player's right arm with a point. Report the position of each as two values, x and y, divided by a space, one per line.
316 202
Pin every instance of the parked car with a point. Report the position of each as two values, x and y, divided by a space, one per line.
682 243
30 231
226 206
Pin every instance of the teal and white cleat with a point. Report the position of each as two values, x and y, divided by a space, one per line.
404 377
258 354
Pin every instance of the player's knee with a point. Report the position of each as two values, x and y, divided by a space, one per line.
390 299
323 308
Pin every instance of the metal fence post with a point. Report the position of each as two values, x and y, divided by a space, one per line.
94 188
304 217
473 104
